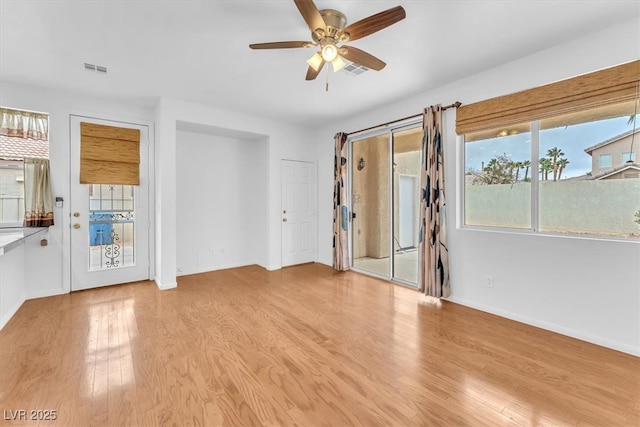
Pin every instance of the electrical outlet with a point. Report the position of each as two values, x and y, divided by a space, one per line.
489 281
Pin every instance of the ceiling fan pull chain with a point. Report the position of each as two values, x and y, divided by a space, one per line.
326 87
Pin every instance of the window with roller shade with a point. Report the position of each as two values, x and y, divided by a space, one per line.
558 159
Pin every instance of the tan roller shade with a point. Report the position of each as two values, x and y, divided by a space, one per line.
109 155
605 87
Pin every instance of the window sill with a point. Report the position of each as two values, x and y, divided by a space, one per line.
528 232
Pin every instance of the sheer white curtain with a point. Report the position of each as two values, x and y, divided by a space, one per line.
37 193
24 124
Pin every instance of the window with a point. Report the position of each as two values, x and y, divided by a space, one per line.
628 156
605 161
23 134
498 178
569 192
569 136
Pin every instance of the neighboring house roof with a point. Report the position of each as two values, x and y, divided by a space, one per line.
13 147
584 177
588 150
613 171
474 178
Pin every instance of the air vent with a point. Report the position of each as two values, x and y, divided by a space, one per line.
96 68
354 69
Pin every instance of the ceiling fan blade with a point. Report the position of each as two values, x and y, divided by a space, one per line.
375 23
312 73
280 45
361 57
311 14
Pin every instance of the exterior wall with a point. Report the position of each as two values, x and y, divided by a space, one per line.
615 149
604 207
371 198
625 174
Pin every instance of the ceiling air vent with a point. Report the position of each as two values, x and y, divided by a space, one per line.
354 69
96 68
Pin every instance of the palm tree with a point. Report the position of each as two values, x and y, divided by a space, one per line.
555 153
492 170
499 170
512 166
526 164
562 164
518 165
546 165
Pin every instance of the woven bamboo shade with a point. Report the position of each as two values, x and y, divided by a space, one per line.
109 155
609 86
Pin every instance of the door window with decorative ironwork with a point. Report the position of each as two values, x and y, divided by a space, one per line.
111 226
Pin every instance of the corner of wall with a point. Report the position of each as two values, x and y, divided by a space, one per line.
165 286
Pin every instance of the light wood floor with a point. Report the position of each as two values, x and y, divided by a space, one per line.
302 345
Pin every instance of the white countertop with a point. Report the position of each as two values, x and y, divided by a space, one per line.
13 237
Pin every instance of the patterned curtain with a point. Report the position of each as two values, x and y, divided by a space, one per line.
340 209
24 124
433 255
37 194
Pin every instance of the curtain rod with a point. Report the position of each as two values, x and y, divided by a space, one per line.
446 107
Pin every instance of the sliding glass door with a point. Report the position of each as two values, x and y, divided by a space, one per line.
370 198
385 170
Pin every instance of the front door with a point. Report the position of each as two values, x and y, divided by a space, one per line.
109 223
299 224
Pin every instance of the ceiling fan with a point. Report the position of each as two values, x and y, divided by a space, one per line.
329 29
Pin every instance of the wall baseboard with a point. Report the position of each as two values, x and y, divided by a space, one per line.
218 267
47 293
593 339
10 313
164 286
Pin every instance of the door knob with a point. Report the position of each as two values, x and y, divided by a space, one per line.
76 225
76 214
284 219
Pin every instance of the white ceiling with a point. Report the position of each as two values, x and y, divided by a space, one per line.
198 50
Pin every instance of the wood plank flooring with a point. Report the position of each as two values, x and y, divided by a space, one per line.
301 346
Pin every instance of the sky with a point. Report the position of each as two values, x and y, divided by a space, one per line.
572 140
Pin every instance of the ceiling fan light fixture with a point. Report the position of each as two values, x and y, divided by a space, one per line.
329 52
329 29
338 64
315 61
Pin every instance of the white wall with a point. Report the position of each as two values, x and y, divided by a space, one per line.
12 286
282 141
585 288
52 275
221 186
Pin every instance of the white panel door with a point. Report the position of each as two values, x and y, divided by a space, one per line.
109 223
299 223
